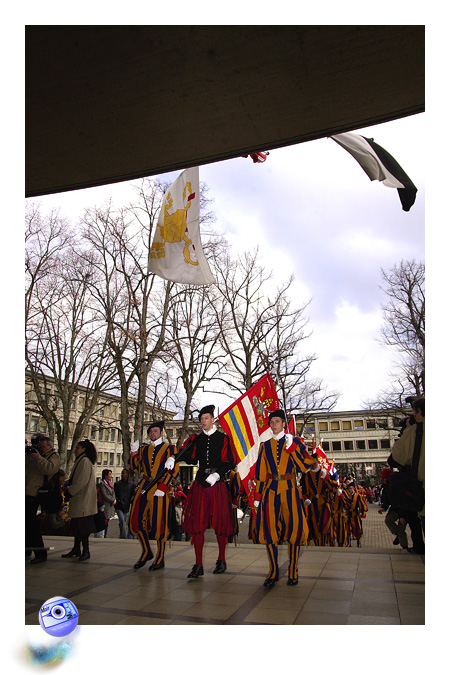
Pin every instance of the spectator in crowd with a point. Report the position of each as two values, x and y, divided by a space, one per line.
108 497
57 523
395 520
41 460
178 528
402 455
124 492
81 494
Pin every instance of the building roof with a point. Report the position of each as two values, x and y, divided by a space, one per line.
112 103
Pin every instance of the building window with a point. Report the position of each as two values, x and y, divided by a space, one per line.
112 435
361 445
100 434
373 444
34 424
118 459
348 445
323 426
336 446
80 403
106 436
111 459
346 426
93 433
385 443
334 426
99 458
325 446
358 424
383 424
371 424
119 436
105 459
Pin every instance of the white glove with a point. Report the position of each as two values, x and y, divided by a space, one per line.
289 439
323 473
134 447
339 492
170 463
159 493
256 504
213 478
307 502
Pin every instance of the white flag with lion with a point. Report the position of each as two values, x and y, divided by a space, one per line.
176 253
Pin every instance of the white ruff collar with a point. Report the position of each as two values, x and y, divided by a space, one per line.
278 436
211 431
158 441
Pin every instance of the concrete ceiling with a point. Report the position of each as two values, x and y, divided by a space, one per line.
112 103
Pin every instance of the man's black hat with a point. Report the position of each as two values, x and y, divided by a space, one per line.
277 413
206 409
159 425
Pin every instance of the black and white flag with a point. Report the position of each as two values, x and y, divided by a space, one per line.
379 165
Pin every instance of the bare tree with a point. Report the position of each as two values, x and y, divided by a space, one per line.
134 303
65 346
404 330
194 348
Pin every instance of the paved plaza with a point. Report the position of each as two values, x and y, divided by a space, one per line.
376 584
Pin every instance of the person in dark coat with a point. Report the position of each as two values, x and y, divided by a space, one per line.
124 491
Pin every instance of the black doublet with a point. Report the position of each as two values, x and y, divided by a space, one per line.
210 451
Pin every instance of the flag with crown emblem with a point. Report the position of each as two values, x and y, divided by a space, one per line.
176 253
246 422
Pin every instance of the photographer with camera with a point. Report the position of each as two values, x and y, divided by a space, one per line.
41 461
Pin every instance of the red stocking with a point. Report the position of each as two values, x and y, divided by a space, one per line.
222 541
198 540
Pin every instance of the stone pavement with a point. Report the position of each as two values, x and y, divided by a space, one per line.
376 584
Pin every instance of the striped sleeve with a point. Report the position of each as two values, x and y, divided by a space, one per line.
260 472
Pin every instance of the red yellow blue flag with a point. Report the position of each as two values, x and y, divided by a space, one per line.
246 422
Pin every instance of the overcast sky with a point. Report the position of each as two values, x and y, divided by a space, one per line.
313 212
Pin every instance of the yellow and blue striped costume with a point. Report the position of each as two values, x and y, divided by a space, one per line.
149 514
280 516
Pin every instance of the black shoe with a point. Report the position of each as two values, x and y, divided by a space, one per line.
221 566
37 559
159 566
292 582
197 571
396 541
410 550
141 563
72 554
270 583
85 555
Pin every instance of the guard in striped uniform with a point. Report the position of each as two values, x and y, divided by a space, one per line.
150 508
357 507
280 516
318 489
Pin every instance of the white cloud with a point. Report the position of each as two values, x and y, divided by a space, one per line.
349 358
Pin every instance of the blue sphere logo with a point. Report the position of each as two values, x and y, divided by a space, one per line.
58 616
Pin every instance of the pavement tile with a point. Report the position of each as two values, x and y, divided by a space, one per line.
308 618
377 584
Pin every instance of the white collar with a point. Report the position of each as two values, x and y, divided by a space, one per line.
278 436
211 431
158 441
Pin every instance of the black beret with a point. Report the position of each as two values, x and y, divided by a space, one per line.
206 409
277 413
159 425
